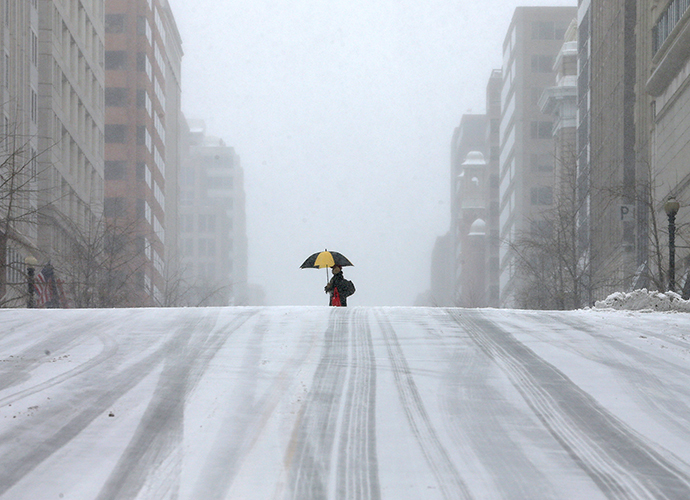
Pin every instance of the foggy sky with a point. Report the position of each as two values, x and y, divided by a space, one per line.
342 112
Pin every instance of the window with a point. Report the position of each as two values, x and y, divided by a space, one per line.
115 59
141 171
542 162
34 48
542 64
543 30
141 208
142 22
113 207
541 130
141 135
141 61
219 183
115 133
34 106
114 170
541 195
116 97
140 244
114 23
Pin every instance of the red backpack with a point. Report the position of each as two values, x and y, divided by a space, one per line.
335 299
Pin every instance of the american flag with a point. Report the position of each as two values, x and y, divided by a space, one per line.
44 292
44 286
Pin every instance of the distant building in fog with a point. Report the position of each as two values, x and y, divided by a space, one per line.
534 38
470 135
213 234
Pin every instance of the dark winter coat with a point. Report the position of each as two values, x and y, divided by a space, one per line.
345 288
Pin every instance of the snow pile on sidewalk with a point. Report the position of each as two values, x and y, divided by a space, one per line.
643 300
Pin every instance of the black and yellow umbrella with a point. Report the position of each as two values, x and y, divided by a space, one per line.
325 259
319 260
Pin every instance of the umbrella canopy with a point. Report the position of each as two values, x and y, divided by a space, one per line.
319 260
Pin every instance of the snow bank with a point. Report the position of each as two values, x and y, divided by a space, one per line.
644 300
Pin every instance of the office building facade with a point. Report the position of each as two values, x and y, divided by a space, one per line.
533 40
142 60
52 119
213 232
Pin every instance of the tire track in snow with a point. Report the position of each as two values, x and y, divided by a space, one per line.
450 483
341 406
632 364
482 423
30 357
215 482
357 461
310 453
619 461
24 449
637 366
152 460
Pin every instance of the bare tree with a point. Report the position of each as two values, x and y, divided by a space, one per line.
18 211
554 268
104 263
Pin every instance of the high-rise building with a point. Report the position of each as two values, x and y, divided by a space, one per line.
142 122
472 196
493 114
612 168
583 117
19 86
465 261
534 38
52 117
213 231
469 136
667 28
71 120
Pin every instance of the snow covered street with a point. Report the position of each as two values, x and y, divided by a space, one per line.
349 403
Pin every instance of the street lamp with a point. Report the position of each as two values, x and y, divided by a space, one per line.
671 207
31 264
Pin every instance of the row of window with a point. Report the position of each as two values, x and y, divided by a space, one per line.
542 195
114 207
668 21
205 223
117 170
202 247
117 24
541 130
547 30
117 134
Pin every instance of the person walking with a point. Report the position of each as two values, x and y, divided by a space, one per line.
338 288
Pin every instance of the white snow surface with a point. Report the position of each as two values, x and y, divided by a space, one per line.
346 403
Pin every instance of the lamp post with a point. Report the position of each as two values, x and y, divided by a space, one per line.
31 264
671 207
